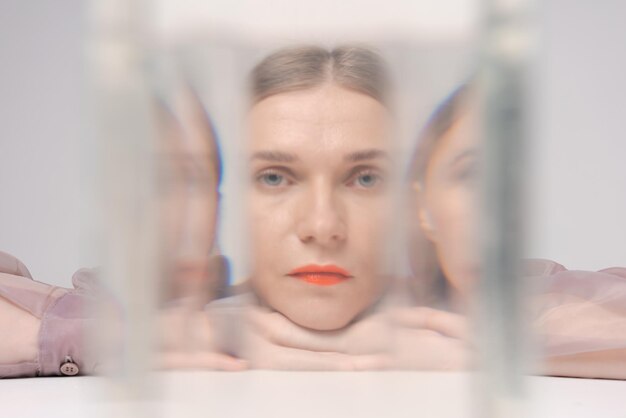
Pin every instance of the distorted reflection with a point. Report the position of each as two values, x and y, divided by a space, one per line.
578 318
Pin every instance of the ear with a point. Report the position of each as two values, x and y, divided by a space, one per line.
423 213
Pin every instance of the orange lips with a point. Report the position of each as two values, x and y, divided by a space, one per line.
327 275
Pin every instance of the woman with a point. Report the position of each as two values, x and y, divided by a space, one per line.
320 162
319 150
579 318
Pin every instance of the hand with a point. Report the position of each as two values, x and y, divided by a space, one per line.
186 331
430 339
271 341
187 341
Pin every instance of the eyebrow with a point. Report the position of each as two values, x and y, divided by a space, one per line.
471 152
369 154
283 157
274 156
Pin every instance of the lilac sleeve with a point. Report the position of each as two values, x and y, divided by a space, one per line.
580 311
65 316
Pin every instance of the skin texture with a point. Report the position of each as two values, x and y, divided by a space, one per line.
318 169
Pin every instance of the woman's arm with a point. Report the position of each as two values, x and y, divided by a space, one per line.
580 323
605 364
19 330
44 326
578 320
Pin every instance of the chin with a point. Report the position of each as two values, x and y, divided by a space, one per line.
322 318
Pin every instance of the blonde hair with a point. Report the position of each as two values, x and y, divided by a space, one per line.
303 67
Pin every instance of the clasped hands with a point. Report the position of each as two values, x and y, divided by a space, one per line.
401 338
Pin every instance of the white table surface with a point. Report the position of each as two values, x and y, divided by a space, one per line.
301 394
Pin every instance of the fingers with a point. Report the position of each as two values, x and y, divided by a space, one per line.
372 362
285 358
274 342
445 323
201 360
186 343
422 349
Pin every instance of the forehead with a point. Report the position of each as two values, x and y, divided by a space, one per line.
328 118
193 139
459 138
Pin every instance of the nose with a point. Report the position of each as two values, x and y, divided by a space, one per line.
321 219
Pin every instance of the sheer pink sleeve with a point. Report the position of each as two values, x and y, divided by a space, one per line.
579 311
64 319
11 265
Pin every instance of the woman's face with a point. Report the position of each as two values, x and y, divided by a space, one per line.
319 166
447 203
190 198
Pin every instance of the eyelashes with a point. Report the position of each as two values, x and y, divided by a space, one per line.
360 178
273 178
467 170
469 173
366 178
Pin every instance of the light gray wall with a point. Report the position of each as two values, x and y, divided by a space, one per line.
42 134
578 160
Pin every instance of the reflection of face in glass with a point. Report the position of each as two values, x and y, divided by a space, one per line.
189 175
319 200
446 180
448 208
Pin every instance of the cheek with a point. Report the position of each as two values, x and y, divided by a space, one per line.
369 233
208 214
199 212
369 230
270 221
458 242
171 218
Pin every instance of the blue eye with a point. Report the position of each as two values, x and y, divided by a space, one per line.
367 180
272 179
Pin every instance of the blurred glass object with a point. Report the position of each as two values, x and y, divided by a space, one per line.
504 128
313 168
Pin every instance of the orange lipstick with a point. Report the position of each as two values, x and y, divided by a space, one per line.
327 275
